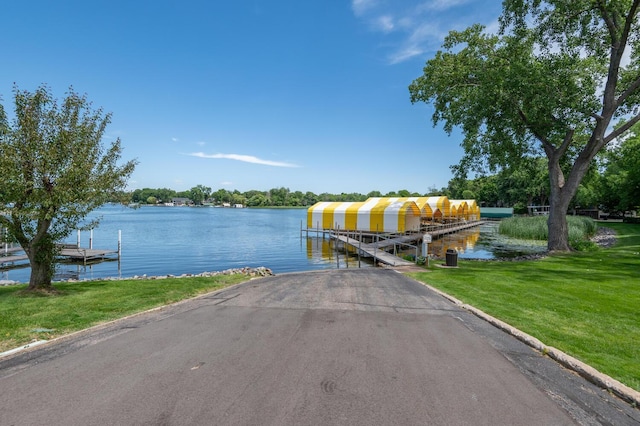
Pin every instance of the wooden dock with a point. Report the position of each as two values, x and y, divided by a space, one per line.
379 249
375 250
67 253
77 254
450 228
12 259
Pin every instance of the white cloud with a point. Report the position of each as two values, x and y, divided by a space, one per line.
384 23
407 53
442 4
361 6
423 37
244 158
415 27
175 139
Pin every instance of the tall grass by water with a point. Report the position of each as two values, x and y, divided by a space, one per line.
535 228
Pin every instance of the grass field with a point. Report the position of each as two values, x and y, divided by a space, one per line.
27 317
586 304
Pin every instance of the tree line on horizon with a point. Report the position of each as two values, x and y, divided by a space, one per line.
611 185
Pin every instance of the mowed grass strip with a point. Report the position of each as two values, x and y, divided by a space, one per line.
25 317
586 304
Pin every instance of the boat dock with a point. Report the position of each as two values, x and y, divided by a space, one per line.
12 256
76 254
379 246
66 253
376 250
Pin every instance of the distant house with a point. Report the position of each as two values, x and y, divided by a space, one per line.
179 201
238 206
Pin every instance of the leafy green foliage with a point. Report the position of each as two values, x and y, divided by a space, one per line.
55 171
275 197
620 182
550 83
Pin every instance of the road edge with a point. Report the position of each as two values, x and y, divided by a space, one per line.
589 373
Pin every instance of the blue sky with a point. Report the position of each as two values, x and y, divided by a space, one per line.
245 94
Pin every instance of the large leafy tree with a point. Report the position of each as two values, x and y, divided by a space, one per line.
620 181
54 171
198 194
550 83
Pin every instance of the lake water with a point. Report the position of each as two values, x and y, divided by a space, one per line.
185 240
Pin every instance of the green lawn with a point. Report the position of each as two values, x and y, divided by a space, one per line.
586 304
26 317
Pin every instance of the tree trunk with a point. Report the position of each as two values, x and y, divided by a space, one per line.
41 275
558 230
42 256
558 239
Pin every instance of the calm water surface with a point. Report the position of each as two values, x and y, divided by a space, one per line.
186 240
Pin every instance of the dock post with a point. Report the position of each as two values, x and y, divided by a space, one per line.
78 244
375 251
119 246
91 239
335 246
359 248
346 251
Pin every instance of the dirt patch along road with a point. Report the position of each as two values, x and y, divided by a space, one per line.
357 347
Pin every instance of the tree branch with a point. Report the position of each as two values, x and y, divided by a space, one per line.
568 138
620 130
629 20
609 21
632 88
548 146
618 44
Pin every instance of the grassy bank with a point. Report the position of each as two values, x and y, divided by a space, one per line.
26 317
583 303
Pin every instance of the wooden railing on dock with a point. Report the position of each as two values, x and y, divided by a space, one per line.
382 243
375 251
69 252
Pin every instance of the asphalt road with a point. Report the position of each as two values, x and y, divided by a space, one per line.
345 347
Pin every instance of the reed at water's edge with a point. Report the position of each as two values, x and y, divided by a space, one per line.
535 228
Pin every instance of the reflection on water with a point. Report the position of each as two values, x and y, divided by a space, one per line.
481 242
324 251
182 240
464 242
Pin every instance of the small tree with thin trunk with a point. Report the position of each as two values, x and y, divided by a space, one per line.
551 83
54 170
